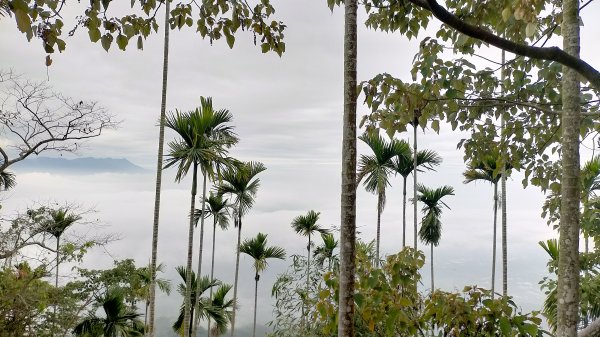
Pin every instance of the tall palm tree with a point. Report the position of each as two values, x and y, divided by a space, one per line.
415 124
241 184
326 251
404 165
204 309
431 225
205 137
376 170
159 166
306 225
218 208
257 249
119 321
489 168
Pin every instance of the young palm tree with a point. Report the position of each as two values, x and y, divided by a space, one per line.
58 222
205 136
306 225
257 249
218 208
204 309
242 185
376 170
119 321
159 166
326 251
403 165
488 169
431 225
146 282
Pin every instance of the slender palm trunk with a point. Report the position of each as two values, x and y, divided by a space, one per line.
56 274
307 283
378 229
503 192
416 124
568 257
494 239
432 278
161 141
256 278
237 269
146 314
212 265
200 249
348 188
187 311
404 212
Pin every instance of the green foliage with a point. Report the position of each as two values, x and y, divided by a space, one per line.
388 304
212 19
241 183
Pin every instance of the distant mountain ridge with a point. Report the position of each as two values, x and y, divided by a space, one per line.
86 165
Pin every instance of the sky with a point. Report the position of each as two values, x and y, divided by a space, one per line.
288 114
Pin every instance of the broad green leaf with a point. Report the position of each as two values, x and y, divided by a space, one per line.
23 20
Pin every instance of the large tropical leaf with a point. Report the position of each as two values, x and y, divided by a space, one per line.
241 183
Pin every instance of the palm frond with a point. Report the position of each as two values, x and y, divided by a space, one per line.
7 179
258 250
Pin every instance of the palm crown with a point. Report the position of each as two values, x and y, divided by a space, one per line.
431 227
241 183
305 225
258 250
376 168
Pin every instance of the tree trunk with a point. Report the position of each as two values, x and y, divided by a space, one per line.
237 269
212 266
200 249
146 314
378 229
256 278
415 223
568 257
307 283
56 275
161 141
348 195
432 278
187 315
404 212
503 193
494 239
592 330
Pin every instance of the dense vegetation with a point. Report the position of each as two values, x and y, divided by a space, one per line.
528 114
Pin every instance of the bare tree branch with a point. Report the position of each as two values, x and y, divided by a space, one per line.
34 118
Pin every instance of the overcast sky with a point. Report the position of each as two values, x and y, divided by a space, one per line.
288 114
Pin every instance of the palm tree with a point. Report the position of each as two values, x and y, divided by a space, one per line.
489 169
204 309
205 137
376 170
326 251
306 225
241 184
146 282
57 223
119 321
257 249
159 165
218 208
404 165
223 306
431 225
7 180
